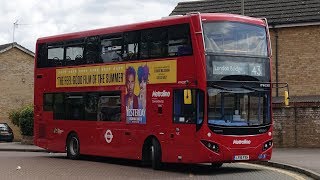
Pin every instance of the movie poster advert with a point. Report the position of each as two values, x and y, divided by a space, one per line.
136 80
137 77
134 76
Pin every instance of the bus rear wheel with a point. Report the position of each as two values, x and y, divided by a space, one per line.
156 155
73 147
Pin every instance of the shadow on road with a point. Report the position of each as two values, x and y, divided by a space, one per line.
196 169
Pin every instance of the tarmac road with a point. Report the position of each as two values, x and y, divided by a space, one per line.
42 165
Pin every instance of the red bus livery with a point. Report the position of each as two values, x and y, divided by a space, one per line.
187 89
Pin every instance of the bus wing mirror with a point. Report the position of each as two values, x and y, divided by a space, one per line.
286 98
187 97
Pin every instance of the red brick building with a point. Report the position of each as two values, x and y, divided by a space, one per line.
16 80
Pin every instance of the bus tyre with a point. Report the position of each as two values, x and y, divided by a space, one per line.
216 165
73 147
156 155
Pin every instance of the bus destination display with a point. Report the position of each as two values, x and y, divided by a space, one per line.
238 68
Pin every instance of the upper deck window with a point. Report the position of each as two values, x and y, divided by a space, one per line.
235 38
179 43
74 54
111 48
55 53
160 42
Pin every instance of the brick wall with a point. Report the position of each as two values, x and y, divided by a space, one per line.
16 83
298 49
297 126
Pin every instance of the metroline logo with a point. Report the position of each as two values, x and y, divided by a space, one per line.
245 141
163 93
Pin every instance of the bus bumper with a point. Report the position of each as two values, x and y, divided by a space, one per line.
225 154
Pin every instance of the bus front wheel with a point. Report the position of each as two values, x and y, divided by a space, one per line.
156 155
73 146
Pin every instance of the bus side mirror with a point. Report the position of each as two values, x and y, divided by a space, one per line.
286 98
187 98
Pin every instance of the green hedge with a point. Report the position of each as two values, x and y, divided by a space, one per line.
23 118
14 116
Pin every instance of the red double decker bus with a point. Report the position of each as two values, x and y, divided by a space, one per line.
187 89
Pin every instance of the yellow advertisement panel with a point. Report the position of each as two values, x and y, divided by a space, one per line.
112 75
87 76
163 71
65 77
106 75
90 76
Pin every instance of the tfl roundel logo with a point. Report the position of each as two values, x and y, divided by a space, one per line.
108 136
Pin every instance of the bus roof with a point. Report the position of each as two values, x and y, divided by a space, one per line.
170 20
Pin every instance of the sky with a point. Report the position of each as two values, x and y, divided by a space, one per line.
40 18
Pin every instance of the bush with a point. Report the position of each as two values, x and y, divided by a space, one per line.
23 118
14 116
26 121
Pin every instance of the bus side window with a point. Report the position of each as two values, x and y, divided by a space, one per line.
109 107
48 102
158 43
131 45
91 106
179 43
184 113
154 43
58 106
74 55
42 58
74 106
111 48
55 56
92 51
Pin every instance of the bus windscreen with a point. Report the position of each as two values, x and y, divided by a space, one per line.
235 38
238 107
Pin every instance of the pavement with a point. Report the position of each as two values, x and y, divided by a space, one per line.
302 160
17 146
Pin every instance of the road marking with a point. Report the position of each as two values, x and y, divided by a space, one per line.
294 175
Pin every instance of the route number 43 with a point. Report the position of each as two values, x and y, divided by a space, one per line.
256 71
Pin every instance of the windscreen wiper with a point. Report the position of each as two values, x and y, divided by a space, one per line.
219 87
251 88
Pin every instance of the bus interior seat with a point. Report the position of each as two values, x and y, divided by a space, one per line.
184 50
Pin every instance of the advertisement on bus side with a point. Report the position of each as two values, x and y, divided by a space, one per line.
135 77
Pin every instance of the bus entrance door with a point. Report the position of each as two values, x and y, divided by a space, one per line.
182 138
183 129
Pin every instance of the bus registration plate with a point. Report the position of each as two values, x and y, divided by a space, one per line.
241 157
